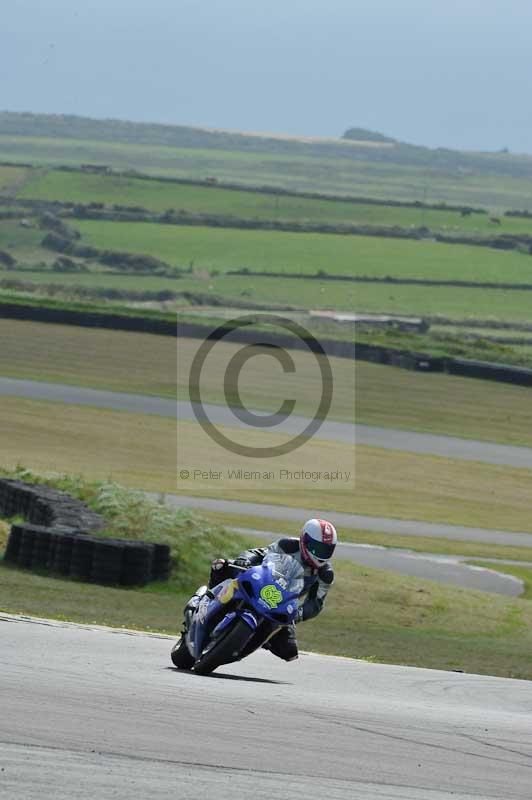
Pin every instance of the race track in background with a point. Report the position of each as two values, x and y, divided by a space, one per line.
387 438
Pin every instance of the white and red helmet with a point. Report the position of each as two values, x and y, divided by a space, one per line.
317 542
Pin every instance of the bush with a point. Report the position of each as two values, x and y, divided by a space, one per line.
64 264
364 135
51 222
7 259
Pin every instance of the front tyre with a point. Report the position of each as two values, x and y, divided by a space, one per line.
180 655
225 649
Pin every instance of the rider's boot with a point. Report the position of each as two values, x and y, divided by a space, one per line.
283 644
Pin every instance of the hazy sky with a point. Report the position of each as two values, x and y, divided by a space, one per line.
455 73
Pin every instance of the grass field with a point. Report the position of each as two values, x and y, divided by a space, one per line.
140 452
23 243
204 469
455 303
160 196
387 483
276 251
431 488
334 175
11 178
386 396
395 619
450 302
116 360
160 365
210 251
444 404
264 291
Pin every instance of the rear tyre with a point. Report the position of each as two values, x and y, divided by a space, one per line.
225 649
180 656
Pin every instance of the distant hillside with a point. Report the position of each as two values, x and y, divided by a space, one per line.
180 136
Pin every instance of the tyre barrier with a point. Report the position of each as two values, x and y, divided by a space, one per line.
519 376
56 538
81 561
63 553
343 349
42 505
107 562
467 368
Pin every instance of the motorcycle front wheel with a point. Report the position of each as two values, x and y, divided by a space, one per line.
225 649
180 655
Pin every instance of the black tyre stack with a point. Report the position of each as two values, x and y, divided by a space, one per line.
57 538
107 561
63 553
138 559
13 544
82 552
25 553
41 547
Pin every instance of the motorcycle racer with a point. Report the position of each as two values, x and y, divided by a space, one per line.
312 550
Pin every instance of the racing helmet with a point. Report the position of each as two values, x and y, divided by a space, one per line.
317 542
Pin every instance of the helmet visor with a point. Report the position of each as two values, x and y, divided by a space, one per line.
319 550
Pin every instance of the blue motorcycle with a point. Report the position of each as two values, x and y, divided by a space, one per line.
233 619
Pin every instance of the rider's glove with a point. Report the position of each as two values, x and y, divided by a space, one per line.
219 564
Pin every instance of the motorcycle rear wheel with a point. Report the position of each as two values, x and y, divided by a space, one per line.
180 655
226 649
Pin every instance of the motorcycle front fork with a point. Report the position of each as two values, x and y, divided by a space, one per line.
192 605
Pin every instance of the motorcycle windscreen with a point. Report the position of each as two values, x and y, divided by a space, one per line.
286 571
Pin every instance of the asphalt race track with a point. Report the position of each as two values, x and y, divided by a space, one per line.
95 713
388 438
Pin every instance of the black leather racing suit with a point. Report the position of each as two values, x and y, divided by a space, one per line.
317 583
